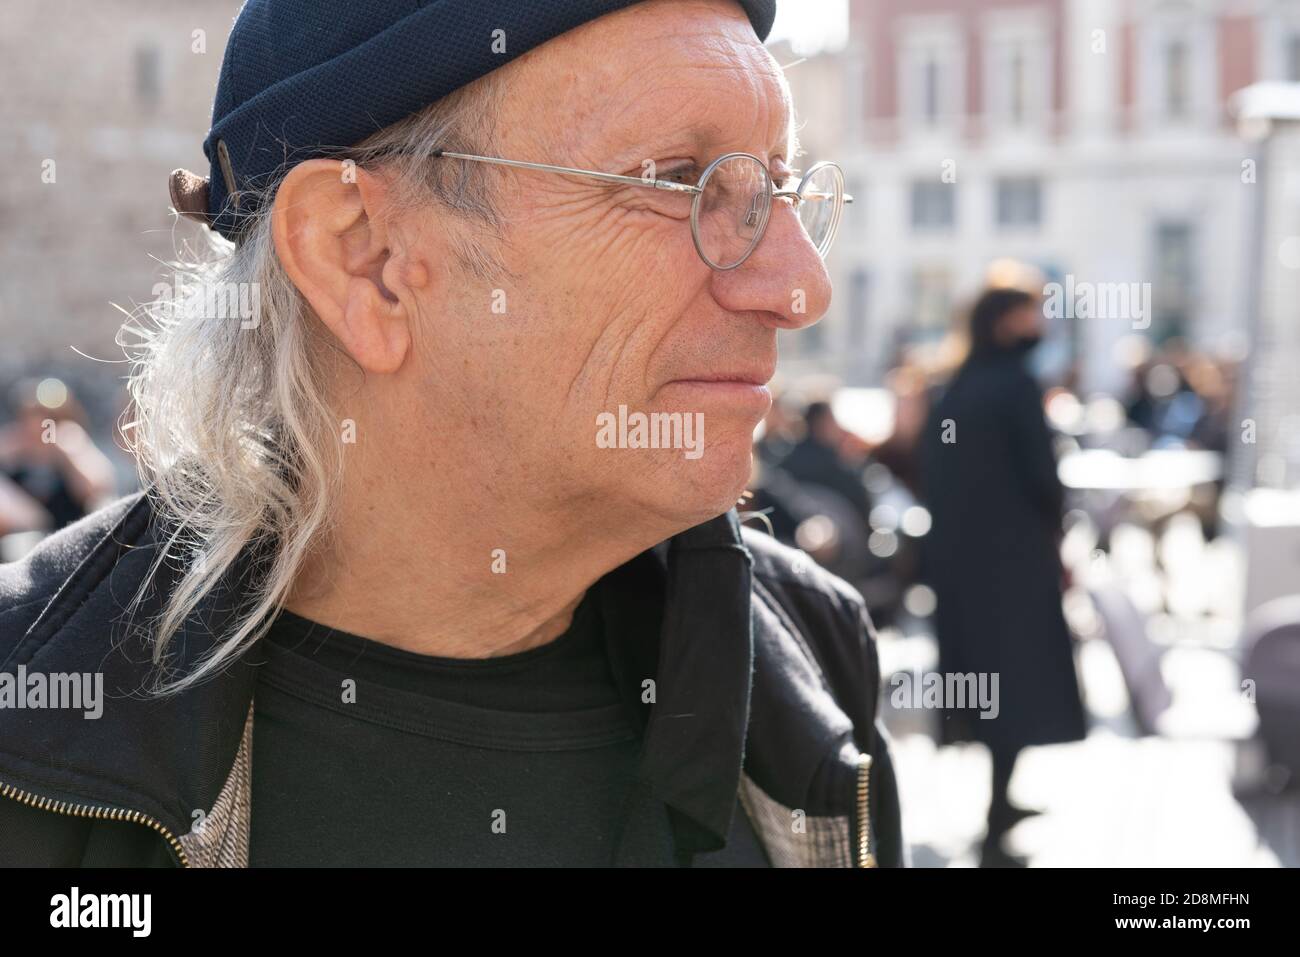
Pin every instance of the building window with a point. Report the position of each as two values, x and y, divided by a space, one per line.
930 68
930 85
933 205
1016 82
1177 68
859 289
811 339
1010 100
1173 285
1020 201
931 310
1017 76
1177 92
855 187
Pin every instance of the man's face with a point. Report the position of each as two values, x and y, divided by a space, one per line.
604 301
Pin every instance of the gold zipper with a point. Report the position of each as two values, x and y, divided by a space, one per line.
99 813
865 857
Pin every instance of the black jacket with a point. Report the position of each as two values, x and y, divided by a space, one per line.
787 723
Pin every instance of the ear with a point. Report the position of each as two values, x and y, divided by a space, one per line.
331 232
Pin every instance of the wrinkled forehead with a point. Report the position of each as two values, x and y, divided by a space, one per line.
663 75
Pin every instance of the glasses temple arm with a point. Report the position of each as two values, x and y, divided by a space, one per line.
547 168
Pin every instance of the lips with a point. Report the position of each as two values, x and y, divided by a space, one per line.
730 392
754 377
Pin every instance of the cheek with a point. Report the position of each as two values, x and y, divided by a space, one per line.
599 304
635 251
622 330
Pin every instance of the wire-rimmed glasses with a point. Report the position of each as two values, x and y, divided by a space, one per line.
732 202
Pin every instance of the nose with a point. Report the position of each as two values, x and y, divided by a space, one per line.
784 275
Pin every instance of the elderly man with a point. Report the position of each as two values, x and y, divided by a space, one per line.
438 561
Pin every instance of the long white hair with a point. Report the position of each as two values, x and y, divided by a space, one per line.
230 421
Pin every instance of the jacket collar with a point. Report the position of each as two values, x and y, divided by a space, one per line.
680 640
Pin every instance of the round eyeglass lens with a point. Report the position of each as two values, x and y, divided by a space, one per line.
732 209
823 200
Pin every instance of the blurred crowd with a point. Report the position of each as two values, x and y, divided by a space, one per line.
951 519
839 496
52 472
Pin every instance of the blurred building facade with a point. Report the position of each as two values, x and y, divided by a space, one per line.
100 102
1092 138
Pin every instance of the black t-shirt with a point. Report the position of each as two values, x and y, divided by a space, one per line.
368 755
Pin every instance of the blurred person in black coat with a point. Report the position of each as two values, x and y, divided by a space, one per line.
989 475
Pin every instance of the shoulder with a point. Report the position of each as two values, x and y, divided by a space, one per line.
1003 385
28 585
799 605
827 609
779 565
1010 378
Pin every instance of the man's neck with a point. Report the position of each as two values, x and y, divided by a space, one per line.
445 573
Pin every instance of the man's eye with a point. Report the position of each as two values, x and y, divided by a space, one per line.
688 174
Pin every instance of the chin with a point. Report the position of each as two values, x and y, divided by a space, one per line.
701 489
